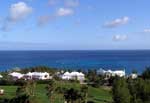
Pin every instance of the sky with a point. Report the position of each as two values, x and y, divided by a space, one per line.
74 24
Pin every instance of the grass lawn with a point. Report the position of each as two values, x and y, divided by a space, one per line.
98 95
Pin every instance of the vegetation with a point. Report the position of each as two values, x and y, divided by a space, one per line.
97 90
97 95
132 90
120 91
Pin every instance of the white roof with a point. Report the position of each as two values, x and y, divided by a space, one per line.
37 73
66 73
81 74
74 74
119 71
29 74
16 74
1 76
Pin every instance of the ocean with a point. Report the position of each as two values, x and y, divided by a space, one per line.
107 59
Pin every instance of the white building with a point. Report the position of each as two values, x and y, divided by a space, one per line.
1 76
31 75
16 75
133 75
109 73
73 75
1 91
37 75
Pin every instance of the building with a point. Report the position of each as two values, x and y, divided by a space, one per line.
16 75
73 76
109 73
31 75
133 75
37 76
1 76
1 91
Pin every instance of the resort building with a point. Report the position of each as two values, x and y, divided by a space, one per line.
73 76
16 75
1 76
109 73
1 91
37 76
31 75
133 75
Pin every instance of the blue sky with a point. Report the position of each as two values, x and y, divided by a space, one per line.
74 24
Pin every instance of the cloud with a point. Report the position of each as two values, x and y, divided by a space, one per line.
71 3
45 19
120 37
117 22
19 11
146 31
52 2
64 12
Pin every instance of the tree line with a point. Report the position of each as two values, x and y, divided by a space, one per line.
132 90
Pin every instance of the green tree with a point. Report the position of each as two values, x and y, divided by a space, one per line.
50 90
120 90
71 96
84 92
143 91
146 73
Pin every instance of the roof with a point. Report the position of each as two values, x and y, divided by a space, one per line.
74 74
1 76
16 74
37 73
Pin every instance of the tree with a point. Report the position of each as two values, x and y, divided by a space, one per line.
20 90
61 92
143 90
71 95
84 92
134 71
146 73
120 90
50 90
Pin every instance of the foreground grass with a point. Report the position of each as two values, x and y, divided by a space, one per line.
98 95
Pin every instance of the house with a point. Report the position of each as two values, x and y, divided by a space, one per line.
37 76
31 75
1 91
133 75
73 76
1 76
109 73
66 76
16 75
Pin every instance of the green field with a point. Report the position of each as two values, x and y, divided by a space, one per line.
98 95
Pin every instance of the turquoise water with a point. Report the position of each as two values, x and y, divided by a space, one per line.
107 59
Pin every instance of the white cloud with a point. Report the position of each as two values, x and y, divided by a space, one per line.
117 22
19 11
52 2
146 30
43 20
71 3
119 37
64 12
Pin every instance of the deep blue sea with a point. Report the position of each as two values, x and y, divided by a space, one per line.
107 59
